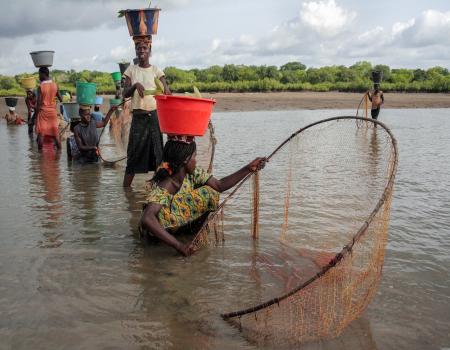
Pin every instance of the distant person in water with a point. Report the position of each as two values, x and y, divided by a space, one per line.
182 193
377 99
145 144
47 116
31 102
12 118
83 145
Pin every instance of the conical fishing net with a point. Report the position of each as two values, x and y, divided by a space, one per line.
325 196
114 140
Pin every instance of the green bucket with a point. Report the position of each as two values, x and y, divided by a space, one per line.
115 101
86 93
116 76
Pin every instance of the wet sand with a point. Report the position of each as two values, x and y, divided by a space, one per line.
300 100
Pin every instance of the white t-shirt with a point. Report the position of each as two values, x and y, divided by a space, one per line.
145 76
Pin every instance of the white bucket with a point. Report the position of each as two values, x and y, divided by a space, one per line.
71 109
42 58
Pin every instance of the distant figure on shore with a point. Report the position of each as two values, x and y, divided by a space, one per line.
31 102
377 99
83 145
47 116
145 144
12 118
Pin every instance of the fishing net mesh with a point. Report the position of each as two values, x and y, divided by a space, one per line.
327 187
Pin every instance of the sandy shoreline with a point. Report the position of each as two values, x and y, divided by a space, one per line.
239 102
321 100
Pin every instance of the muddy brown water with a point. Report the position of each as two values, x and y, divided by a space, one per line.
75 275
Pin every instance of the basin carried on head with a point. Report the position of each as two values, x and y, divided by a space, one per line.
72 109
116 76
115 101
28 83
98 100
377 76
123 66
11 101
142 21
86 93
42 58
183 115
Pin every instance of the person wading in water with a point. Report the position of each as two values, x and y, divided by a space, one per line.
182 193
47 117
145 144
377 99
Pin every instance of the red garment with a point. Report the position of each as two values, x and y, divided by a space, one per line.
47 118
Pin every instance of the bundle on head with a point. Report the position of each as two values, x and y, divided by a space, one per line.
175 154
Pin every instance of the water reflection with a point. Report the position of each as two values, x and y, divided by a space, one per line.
49 177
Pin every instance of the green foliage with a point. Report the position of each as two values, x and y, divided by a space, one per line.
292 76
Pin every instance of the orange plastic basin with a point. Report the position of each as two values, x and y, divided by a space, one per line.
183 115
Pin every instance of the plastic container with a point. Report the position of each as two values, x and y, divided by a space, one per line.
183 115
142 21
377 76
123 67
42 58
86 93
28 83
115 101
11 101
116 76
72 110
98 100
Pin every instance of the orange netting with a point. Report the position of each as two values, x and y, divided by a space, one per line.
328 186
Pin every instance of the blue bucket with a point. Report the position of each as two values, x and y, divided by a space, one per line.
98 100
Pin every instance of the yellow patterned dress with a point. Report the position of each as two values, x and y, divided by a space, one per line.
192 200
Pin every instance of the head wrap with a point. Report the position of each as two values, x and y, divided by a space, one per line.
143 39
166 166
85 107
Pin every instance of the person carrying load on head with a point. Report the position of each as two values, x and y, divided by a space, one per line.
30 102
377 99
182 193
145 143
47 116
96 114
83 145
12 117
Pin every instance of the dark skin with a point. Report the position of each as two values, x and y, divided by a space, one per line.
85 116
57 141
173 184
143 55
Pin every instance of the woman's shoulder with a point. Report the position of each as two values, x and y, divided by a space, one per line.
158 195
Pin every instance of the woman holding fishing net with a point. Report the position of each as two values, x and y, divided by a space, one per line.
145 144
182 193
83 145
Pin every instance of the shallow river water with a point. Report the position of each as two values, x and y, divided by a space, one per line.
75 275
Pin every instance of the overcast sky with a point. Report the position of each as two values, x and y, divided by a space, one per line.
86 34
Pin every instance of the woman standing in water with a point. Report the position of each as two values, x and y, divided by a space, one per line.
145 141
182 192
47 117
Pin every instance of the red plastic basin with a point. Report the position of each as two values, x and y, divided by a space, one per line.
183 115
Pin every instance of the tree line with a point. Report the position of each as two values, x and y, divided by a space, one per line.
292 76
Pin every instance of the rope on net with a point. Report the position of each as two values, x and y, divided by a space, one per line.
363 110
324 304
